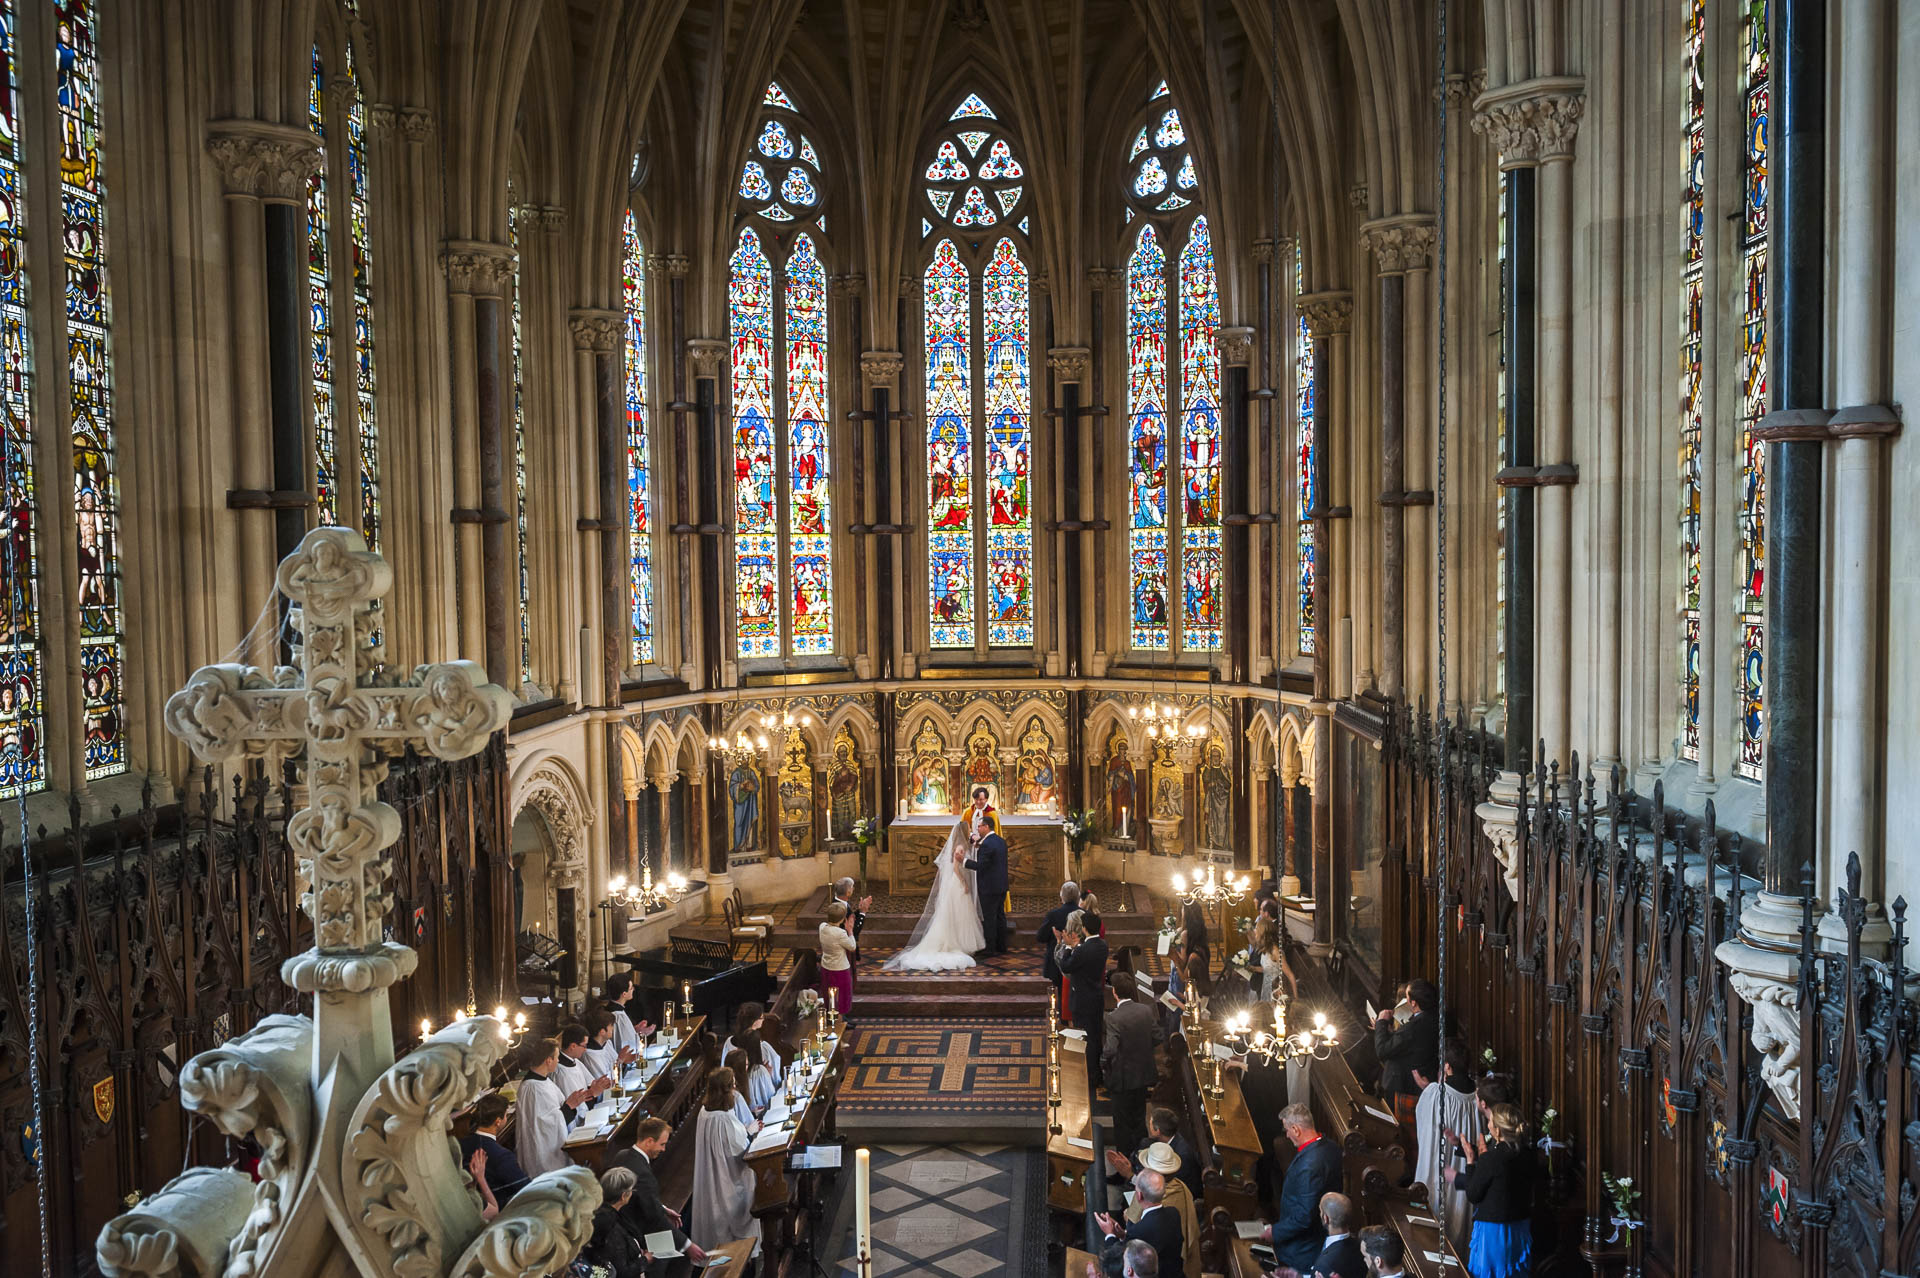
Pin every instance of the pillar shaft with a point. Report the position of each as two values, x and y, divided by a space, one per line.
1518 321
1393 373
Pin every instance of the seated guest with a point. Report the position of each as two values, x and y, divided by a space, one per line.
1049 933
1499 1179
542 1112
737 1061
837 947
1385 1254
613 1245
722 1181
1158 1225
602 1055
500 1167
1127 1060
753 1017
1082 959
1163 1128
1179 1200
644 1211
1136 1260
1297 1234
1417 1042
1341 1257
617 994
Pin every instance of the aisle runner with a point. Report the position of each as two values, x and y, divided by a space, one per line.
962 1210
990 1068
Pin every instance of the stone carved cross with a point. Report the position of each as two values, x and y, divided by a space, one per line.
346 715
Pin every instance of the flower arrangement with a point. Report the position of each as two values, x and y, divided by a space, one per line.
1625 1199
808 1002
1078 825
1488 1060
866 831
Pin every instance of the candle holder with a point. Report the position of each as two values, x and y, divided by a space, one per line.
1215 1089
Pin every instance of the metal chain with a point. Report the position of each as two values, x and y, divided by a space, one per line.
1438 1193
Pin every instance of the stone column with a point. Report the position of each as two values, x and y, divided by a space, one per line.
1236 355
1418 466
258 162
1073 549
662 832
478 275
1108 285
880 374
709 457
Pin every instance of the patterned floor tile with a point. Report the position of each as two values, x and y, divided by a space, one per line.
968 1264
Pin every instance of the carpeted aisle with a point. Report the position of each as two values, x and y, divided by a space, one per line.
922 1075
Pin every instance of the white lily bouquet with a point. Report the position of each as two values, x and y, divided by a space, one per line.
809 1002
1077 825
1625 1199
866 831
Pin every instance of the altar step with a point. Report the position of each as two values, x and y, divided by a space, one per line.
931 995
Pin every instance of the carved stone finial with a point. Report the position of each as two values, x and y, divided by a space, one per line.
706 354
1400 244
1532 122
1069 363
1236 346
271 162
1326 313
880 368
479 267
594 329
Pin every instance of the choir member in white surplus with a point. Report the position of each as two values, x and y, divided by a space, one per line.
543 1112
722 1181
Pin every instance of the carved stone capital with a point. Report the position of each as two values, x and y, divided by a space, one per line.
851 284
414 124
1532 122
272 162
1357 196
1326 313
1236 346
313 972
1105 278
1400 244
672 265
1500 818
181 1232
479 267
595 330
881 368
1069 363
551 218
706 354
1263 250
1453 91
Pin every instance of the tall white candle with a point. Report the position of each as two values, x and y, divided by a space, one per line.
863 1211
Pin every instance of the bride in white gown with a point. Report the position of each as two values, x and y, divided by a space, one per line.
949 931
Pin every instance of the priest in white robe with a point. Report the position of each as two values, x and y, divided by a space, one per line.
722 1182
1446 1105
541 1115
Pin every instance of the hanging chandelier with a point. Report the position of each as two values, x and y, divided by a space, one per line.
1282 1045
1209 890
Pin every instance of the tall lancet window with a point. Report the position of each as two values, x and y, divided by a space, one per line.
1305 442
1757 101
977 314
782 440
346 436
633 270
517 344
1173 395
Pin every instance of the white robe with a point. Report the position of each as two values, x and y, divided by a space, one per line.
1458 1113
760 1088
624 1034
602 1062
769 1056
722 1182
571 1075
540 1127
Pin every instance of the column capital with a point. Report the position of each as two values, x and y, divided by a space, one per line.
412 123
1265 249
1326 313
594 329
480 267
1454 90
1357 196
1069 363
706 354
551 218
271 162
1105 277
1532 122
672 265
880 368
850 284
1236 346
1400 243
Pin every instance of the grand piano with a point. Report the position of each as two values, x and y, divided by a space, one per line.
660 974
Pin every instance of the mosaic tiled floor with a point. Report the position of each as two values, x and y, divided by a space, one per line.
991 1069
1021 959
959 1211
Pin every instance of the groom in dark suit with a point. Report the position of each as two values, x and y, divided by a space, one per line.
990 863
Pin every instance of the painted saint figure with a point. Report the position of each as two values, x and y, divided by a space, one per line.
744 789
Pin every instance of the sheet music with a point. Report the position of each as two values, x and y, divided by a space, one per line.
1077 1044
1437 1258
1073 1033
1380 1114
1250 1229
817 1158
1078 1143
661 1245
771 1137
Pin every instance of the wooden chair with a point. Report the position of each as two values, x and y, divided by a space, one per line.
755 935
751 920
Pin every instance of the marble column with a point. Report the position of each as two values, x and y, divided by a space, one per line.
880 375
1419 648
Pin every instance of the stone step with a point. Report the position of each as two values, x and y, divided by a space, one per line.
933 1003
967 981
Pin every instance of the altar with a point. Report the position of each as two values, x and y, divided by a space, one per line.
1036 850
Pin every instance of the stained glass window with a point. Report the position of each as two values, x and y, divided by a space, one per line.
1751 621
1306 420
1693 259
639 464
1500 451
360 246
320 298
783 450
776 96
1174 454
517 347
979 552
22 740
96 497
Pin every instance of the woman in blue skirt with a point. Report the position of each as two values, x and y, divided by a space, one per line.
1499 1183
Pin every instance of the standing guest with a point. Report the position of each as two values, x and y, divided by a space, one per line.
1179 1200
722 1181
742 1106
1163 1128
1491 1090
837 947
1082 959
1340 1257
618 993
1090 906
1050 930
1385 1254
603 1057
1179 989
499 1166
542 1112
752 1017
1417 1042
857 911
1158 1225
1128 1063
613 1245
1265 945
1445 1108
1196 944
645 1213
1298 1234
1499 1180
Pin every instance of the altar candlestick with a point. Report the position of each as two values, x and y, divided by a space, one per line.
686 996
863 1211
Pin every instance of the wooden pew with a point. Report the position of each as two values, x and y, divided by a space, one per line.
1222 1131
783 1027
591 1152
1374 1145
783 1199
1067 1163
1422 1241
681 1109
1223 1251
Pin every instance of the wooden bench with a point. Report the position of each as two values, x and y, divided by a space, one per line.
1067 1163
1422 1241
1222 1131
1223 1251
1372 1141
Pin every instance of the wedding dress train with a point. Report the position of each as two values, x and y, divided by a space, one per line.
949 930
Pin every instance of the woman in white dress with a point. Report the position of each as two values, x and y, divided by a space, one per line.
949 932
722 1181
